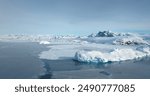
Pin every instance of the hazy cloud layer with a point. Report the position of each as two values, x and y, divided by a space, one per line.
73 16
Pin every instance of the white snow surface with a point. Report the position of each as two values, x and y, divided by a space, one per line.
44 42
59 52
115 55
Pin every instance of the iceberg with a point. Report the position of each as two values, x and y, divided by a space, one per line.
44 42
115 55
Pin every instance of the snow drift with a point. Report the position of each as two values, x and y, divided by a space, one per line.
115 55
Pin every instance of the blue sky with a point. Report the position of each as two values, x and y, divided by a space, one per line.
79 17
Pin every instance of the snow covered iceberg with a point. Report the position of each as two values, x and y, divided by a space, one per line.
115 55
130 40
44 42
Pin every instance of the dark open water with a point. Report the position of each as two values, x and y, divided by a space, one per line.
62 69
20 60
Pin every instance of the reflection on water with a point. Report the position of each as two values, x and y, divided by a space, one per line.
131 69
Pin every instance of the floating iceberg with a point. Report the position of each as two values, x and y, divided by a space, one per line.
44 42
115 55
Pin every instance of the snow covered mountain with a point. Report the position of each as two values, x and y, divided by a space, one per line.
109 34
